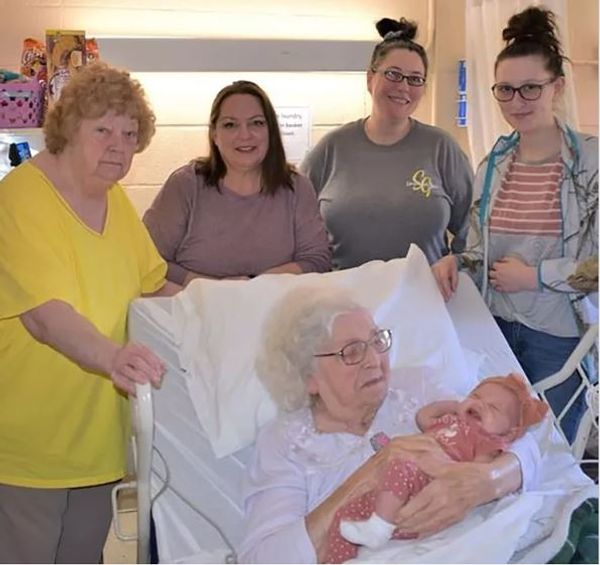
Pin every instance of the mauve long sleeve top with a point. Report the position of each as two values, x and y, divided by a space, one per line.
220 233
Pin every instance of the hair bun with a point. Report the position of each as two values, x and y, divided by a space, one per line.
402 28
533 24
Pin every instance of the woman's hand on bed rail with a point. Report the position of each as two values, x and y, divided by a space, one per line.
455 490
135 363
445 272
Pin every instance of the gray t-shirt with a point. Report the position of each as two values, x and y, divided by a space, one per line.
378 199
223 234
549 312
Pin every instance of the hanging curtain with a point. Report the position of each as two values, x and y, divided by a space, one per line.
485 20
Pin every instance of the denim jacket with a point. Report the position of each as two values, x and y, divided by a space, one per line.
579 211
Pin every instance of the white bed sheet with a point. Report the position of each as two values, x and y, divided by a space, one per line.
214 485
221 328
211 484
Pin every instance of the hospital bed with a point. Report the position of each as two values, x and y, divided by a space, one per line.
178 471
588 425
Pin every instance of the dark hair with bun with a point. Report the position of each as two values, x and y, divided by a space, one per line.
397 34
533 32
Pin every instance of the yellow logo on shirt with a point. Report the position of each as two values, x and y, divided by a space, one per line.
421 182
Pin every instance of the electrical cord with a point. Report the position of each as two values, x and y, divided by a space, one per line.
591 397
231 557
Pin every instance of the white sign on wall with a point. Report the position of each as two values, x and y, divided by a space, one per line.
295 125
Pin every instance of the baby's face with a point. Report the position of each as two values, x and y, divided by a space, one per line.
495 407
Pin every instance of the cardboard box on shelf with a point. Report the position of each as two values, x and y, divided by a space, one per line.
65 52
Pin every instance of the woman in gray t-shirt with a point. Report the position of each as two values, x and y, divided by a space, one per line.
387 181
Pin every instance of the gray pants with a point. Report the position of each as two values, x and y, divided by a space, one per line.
54 525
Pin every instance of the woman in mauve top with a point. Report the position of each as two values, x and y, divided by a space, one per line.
243 210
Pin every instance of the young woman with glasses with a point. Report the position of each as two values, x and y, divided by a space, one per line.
387 180
535 219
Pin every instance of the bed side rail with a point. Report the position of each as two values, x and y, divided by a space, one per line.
142 412
574 363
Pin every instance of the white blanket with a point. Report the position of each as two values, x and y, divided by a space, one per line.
220 331
522 528
487 535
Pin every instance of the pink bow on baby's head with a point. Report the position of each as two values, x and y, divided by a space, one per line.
533 410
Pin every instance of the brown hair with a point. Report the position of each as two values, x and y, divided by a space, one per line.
397 34
533 32
276 172
91 92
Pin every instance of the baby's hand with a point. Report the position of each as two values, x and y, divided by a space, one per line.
427 415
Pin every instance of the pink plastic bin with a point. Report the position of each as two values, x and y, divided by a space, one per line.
21 104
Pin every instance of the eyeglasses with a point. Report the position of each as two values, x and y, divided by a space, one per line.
529 91
355 352
396 76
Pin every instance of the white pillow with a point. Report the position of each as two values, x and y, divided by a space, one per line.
220 332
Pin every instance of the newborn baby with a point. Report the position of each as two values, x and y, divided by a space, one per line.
479 428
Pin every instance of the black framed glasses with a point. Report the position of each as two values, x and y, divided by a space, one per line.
396 76
355 352
528 91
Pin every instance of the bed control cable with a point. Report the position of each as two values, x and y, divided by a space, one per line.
231 557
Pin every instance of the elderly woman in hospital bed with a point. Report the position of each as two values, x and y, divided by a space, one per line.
325 363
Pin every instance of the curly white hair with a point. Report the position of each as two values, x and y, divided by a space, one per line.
296 327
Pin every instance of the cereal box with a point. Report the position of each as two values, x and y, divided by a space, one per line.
65 51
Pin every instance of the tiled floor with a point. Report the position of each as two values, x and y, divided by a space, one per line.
115 550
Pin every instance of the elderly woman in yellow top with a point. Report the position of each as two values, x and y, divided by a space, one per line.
73 254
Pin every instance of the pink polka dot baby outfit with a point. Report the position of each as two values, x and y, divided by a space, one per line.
461 438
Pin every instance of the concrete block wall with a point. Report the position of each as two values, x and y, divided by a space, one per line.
182 100
182 105
583 52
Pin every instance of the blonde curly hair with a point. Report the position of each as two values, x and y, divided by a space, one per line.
93 91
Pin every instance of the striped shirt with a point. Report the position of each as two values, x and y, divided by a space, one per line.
526 223
528 202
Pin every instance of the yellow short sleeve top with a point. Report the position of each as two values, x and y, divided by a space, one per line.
60 425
